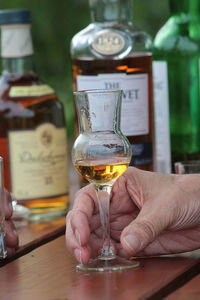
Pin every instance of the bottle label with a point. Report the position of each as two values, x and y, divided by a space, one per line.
142 154
16 41
108 42
30 91
38 162
134 112
161 117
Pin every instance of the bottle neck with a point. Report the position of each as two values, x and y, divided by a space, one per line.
111 11
16 49
187 13
185 6
17 65
177 6
195 19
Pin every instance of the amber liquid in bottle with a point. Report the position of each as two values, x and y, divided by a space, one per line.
101 171
26 113
137 63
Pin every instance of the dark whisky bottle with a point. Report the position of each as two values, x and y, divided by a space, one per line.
111 54
33 140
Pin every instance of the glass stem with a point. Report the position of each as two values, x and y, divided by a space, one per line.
103 194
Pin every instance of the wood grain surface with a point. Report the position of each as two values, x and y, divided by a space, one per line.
190 291
33 232
32 236
49 273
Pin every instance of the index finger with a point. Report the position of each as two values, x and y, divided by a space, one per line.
78 219
86 201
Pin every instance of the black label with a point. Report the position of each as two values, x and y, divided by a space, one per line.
142 154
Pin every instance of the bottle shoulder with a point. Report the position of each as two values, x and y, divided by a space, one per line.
175 35
26 90
18 78
133 40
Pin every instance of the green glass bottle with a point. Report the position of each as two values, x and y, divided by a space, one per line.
177 63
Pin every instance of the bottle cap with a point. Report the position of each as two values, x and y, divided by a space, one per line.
15 16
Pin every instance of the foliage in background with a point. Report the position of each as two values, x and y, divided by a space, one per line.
55 23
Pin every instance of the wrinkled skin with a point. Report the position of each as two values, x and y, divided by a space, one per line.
11 238
150 214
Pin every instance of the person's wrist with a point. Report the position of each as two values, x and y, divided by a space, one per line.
189 183
187 200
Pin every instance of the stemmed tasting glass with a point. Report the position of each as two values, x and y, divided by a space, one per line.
101 153
3 252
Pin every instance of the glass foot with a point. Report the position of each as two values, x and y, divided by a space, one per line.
115 264
3 252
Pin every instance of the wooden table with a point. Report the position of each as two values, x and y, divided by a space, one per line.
42 269
48 273
190 290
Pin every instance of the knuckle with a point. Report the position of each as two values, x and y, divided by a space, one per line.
148 229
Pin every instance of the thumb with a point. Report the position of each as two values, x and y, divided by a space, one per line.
142 231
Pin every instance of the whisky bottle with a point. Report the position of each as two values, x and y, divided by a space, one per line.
33 140
111 54
176 66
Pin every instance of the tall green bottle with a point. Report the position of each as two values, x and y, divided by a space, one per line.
177 64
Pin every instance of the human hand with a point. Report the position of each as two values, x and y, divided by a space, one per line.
150 214
11 238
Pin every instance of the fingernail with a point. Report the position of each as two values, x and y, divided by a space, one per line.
132 242
77 234
77 254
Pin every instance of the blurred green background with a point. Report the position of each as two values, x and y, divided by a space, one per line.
55 23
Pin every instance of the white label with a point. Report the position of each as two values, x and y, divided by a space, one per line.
16 41
134 113
38 162
161 117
